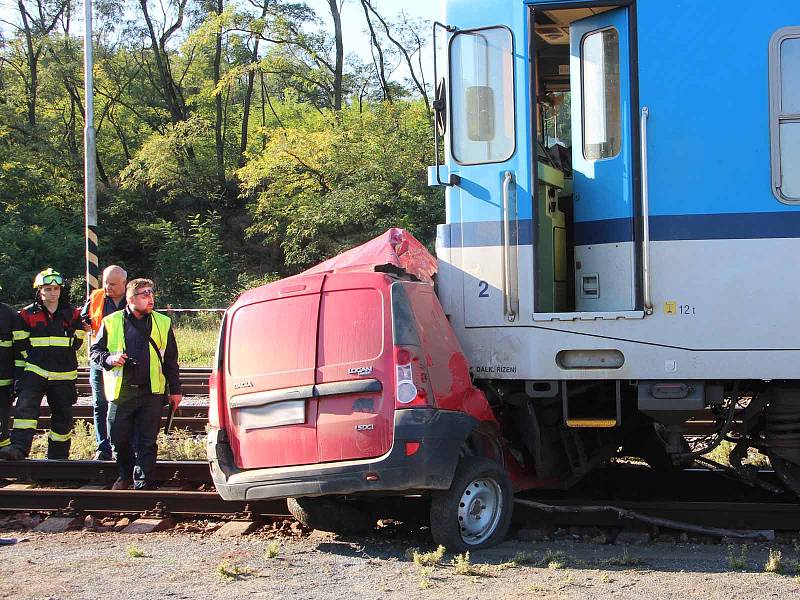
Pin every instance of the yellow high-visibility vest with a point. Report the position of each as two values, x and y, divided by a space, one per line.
114 325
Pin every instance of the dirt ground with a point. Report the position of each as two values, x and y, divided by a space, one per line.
183 565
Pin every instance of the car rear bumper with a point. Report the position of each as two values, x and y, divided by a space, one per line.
440 433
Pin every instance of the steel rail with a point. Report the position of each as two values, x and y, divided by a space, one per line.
195 471
133 501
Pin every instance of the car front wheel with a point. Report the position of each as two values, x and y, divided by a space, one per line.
475 512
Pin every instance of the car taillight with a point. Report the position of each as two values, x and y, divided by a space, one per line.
213 400
412 385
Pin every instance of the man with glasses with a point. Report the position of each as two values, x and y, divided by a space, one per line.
47 335
101 303
137 350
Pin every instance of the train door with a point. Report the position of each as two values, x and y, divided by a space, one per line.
584 207
483 205
602 163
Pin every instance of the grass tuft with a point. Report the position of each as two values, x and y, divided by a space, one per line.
737 562
626 560
425 577
230 572
463 566
774 562
135 552
523 558
423 559
273 548
554 559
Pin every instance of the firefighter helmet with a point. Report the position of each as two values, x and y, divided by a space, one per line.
47 277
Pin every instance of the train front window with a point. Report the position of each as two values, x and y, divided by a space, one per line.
482 82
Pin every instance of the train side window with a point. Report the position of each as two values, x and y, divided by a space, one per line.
482 95
784 91
602 123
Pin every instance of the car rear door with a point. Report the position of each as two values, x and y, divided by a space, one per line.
355 376
272 411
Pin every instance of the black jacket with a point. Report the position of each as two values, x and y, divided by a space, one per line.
48 343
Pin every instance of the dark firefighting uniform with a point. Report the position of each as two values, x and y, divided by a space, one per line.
7 317
48 345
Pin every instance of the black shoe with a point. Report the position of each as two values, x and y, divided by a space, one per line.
12 453
121 484
103 455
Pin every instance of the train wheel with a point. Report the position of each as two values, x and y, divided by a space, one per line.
476 511
788 472
330 514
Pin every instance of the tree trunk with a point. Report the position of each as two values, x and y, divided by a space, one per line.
381 66
248 94
174 106
339 67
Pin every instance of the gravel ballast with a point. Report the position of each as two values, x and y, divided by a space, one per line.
177 565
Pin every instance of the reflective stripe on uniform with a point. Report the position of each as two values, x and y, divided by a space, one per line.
52 375
60 437
20 363
6 343
25 423
4 382
21 335
53 340
5 442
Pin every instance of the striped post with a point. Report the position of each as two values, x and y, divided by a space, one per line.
90 178
92 266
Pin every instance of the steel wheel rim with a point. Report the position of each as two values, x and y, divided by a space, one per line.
479 510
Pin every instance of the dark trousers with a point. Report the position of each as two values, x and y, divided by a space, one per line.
135 414
100 408
61 395
5 412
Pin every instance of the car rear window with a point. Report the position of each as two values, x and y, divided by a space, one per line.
274 336
351 326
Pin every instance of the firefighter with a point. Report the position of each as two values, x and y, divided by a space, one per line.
47 335
101 303
6 370
137 349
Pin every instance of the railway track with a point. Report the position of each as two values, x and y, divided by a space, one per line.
193 418
698 498
194 381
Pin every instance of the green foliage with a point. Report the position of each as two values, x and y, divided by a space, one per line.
328 182
181 199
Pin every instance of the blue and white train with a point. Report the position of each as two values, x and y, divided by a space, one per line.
623 224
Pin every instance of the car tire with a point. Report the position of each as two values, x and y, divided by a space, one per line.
475 512
331 514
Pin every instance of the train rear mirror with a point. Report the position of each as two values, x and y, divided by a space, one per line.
479 102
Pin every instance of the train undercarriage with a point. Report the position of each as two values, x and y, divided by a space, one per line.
564 430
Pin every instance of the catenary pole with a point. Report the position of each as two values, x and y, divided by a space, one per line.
90 176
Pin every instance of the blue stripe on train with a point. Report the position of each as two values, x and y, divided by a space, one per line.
662 228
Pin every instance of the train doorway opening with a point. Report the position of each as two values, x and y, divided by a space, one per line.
585 197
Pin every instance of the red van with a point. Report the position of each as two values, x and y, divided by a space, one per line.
347 382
